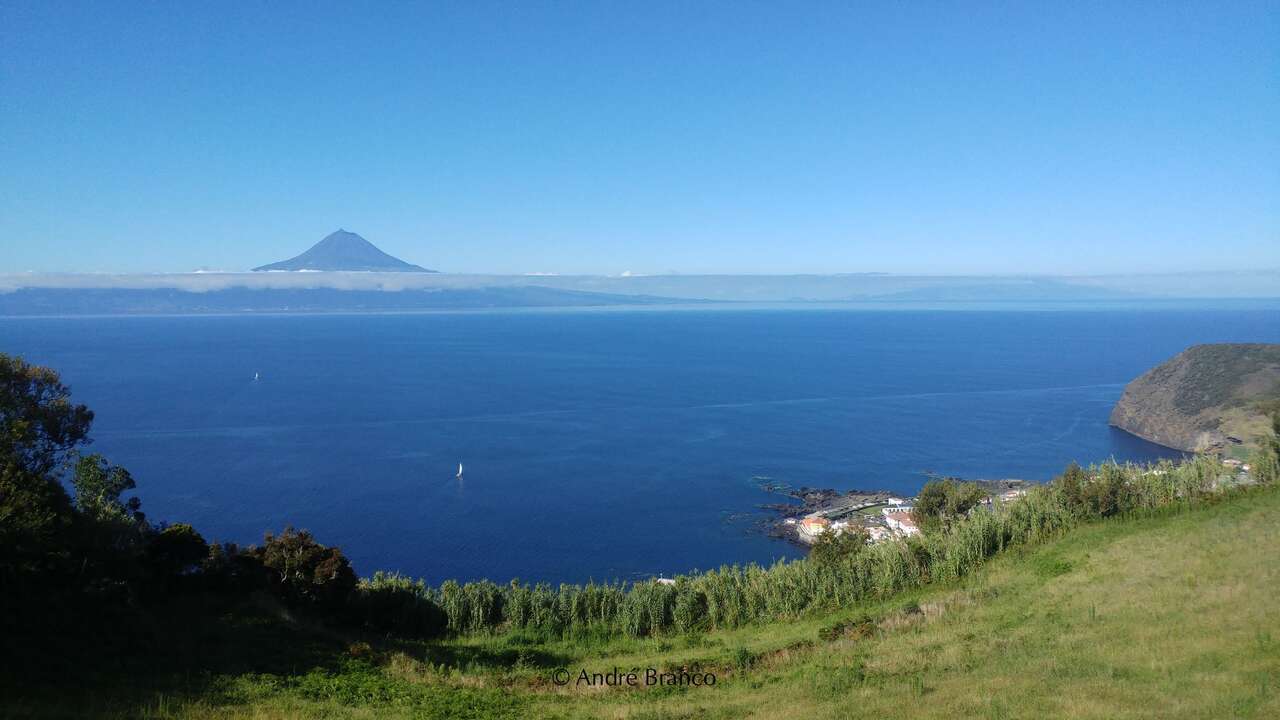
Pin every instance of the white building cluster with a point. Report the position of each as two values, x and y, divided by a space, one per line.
896 522
899 520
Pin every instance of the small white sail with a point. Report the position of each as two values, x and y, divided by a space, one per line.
459 469
255 376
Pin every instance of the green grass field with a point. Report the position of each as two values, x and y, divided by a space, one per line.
1168 616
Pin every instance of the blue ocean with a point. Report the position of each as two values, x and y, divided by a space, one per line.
596 444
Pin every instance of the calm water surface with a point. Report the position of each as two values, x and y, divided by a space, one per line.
596 444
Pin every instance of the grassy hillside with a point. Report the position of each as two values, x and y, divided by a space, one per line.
1166 616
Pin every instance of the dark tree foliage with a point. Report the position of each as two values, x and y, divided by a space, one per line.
39 426
36 517
231 571
99 486
50 581
304 573
177 551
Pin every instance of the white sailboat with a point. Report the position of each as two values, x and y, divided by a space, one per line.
459 471
255 377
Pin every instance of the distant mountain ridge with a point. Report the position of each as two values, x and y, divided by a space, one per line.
344 251
1205 398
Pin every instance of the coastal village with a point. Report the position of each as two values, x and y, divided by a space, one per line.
880 515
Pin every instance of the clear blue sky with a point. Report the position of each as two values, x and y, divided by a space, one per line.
602 137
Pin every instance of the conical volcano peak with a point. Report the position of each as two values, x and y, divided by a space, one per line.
342 238
344 250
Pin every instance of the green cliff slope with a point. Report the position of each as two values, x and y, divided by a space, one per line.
1206 398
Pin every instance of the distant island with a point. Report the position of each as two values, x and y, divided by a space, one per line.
343 251
26 302
1208 398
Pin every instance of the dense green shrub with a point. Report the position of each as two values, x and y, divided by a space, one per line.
176 551
943 501
834 548
395 604
305 574
228 570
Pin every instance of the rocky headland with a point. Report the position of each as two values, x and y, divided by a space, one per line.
1208 398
